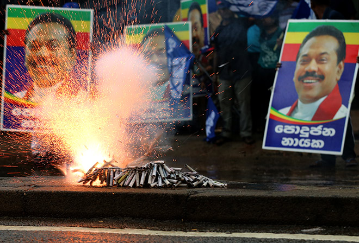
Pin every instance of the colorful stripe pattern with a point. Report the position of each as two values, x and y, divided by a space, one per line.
12 99
135 33
276 115
295 34
18 19
185 5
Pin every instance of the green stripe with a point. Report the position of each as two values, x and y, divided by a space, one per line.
18 12
143 29
309 26
186 5
17 99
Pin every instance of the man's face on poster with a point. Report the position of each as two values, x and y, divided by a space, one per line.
317 69
48 56
198 33
155 50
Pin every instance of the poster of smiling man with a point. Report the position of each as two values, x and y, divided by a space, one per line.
47 57
311 98
196 12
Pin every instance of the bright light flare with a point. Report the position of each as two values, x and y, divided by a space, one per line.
89 156
97 129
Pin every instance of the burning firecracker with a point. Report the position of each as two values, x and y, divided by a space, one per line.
153 174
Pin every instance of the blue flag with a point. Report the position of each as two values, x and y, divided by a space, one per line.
180 60
303 11
212 116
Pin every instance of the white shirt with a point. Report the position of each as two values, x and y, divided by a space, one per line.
307 111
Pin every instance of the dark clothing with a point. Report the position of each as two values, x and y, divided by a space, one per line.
268 56
263 80
332 14
264 76
231 47
348 152
349 142
345 7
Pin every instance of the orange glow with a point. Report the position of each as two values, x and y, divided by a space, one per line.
94 130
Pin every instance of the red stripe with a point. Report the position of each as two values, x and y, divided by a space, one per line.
205 20
83 41
16 38
279 119
23 104
186 43
276 118
290 51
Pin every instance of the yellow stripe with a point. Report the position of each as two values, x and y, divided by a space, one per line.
22 24
18 100
136 39
182 35
133 39
184 12
297 38
288 118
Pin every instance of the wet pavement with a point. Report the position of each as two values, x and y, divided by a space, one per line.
264 186
234 161
245 203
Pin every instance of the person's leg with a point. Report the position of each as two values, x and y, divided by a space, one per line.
255 99
243 95
226 101
329 160
349 144
269 76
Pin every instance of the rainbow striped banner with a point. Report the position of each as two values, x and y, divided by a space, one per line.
16 77
284 132
135 33
19 17
184 11
296 33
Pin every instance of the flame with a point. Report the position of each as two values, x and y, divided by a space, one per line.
96 130
93 154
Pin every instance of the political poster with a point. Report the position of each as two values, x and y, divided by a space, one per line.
311 98
167 46
196 12
47 53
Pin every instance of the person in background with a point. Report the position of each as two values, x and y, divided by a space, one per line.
323 10
286 9
270 41
234 73
253 41
346 8
253 38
